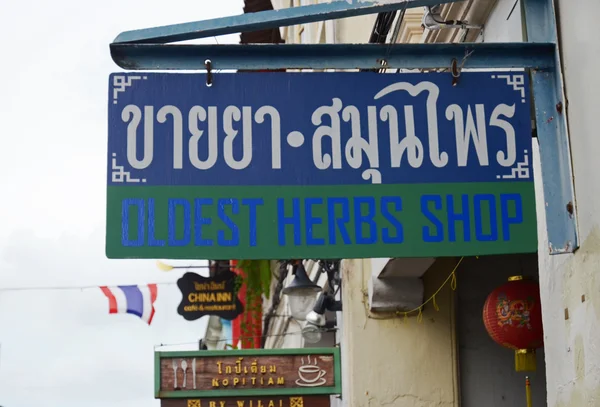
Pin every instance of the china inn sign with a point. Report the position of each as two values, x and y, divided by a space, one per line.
257 377
273 165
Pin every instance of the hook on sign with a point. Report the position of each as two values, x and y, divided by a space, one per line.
455 71
209 77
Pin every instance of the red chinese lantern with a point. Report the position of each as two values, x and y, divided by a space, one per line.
512 315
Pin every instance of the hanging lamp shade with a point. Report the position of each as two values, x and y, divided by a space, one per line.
512 316
301 284
302 293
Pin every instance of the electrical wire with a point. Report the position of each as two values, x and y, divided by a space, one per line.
451 277
396 32
445 22
81 288
164 345
404 314
380 31
91 287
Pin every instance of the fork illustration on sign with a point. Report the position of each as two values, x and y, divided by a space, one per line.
174 362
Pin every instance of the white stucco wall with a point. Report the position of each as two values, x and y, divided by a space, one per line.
504 23
388 361
573 345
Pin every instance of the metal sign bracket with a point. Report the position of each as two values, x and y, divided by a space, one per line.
147 49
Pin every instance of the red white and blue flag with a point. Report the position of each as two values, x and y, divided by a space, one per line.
132 299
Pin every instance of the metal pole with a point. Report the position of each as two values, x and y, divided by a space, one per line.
528 391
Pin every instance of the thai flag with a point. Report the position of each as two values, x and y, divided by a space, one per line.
132 299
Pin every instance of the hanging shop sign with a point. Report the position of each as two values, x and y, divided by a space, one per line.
247 373
276 401
275 165
209 296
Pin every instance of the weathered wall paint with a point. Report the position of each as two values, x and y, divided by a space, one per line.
479 356
572 345
392 362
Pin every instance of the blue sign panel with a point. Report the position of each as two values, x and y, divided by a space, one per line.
319 129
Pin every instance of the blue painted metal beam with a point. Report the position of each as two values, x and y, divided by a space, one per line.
338 56
555 154
268 19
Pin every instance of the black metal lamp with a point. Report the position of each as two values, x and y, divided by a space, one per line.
302 292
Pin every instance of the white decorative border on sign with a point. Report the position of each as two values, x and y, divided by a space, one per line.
120 175
121 83
517 81
520 171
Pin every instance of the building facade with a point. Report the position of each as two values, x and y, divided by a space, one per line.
447 358
442 355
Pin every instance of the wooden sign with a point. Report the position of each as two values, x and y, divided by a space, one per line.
209 296
275 401
251 372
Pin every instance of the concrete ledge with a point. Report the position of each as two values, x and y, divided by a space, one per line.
395 293
400 267
379 264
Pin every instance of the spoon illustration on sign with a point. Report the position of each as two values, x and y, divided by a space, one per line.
184 367
310 375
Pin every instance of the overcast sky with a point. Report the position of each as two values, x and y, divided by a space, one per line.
62 348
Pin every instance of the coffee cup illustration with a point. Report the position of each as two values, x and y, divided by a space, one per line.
310 374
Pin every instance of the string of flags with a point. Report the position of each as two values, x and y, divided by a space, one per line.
137 300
